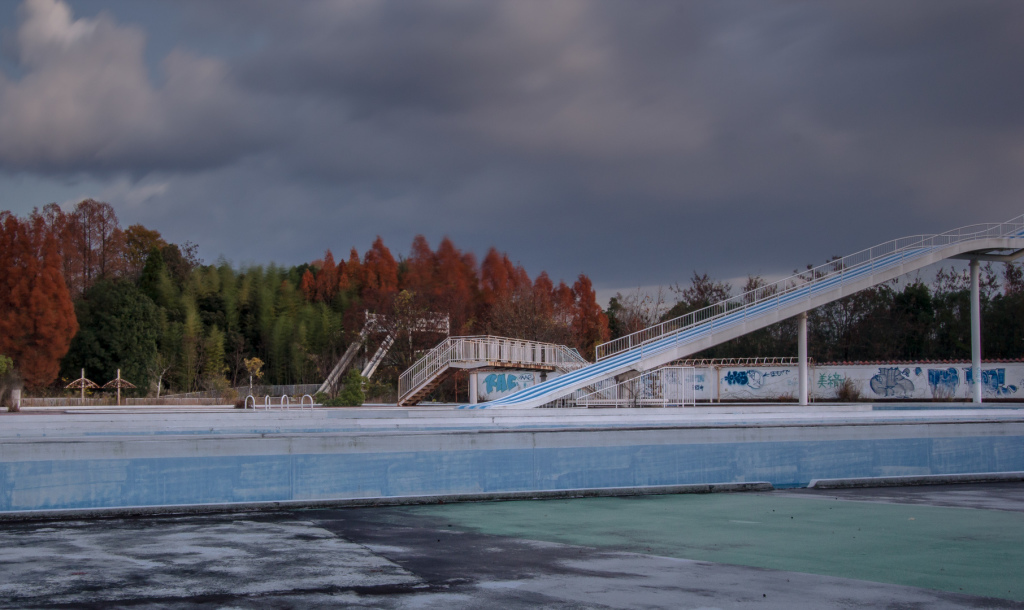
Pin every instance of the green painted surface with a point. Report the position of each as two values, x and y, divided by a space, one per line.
979 552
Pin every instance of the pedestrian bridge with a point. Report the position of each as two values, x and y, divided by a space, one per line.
793 296
455 353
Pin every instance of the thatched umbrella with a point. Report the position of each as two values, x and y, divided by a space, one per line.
82 383
118 383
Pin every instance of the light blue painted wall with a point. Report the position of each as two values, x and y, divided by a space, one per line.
905 381
97 483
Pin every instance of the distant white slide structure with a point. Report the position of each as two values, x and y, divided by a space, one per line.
794 296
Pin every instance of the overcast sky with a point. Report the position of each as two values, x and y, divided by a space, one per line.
632 141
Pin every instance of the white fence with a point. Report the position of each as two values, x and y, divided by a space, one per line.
671 386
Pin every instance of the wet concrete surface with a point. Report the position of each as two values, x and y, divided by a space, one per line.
987 496
453 556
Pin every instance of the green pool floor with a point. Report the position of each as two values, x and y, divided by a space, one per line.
978 552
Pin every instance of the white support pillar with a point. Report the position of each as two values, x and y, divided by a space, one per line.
472 389
976 328
801 347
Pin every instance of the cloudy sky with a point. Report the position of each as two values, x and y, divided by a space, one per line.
633 141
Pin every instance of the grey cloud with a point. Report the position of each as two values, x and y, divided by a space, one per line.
86 101
633 141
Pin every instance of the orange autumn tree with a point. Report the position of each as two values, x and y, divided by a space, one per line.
379 277
499 278
329 279
420 271
498 297
590 324
455 286
37 319
443 282
92 244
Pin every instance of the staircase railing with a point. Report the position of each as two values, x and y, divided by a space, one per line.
831 272
482 349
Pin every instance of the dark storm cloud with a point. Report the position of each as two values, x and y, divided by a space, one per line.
632 141
85 101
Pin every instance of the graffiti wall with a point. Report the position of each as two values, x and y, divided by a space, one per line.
914 381
757 383
927 381
908 381
501 383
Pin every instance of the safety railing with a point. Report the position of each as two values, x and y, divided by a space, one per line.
751 361
285 402
487 349
830 274
670 386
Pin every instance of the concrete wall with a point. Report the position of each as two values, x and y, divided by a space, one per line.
913 381
495 384
95 472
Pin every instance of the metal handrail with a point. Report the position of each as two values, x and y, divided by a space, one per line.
812 276
486 348
751 361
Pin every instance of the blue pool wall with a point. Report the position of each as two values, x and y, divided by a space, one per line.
122 473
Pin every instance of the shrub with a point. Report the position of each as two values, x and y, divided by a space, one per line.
351 394
847 391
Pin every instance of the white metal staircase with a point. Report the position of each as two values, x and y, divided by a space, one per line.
482 352
750 311
436 323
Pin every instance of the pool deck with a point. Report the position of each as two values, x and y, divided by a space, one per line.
75 422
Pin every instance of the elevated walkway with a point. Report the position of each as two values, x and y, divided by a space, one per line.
489 352
696 331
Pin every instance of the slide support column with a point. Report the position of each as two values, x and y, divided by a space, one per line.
802 355
976 328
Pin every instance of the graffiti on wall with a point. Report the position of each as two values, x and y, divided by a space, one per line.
496 385
905 381
943 382
834 380
993 381
757 383
740 378
892 382
751 378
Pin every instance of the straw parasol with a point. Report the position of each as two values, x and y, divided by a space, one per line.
82 383
118 383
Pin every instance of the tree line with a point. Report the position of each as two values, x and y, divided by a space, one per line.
78 291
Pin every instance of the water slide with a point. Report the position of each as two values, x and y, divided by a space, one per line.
696 331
